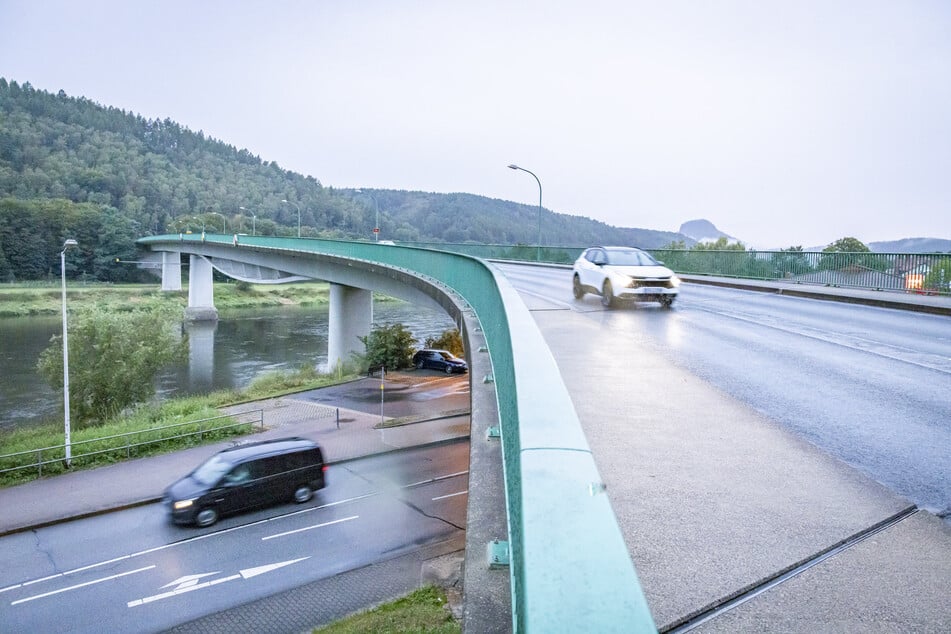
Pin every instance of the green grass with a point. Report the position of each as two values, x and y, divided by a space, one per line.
23 300
424 610
150 423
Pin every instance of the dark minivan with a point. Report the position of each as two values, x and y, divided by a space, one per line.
247 476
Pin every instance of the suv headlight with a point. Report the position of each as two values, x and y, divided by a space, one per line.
674 281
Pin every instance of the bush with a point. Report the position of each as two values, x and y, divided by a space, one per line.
389 346
449 340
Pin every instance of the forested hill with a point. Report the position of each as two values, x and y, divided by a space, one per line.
70 167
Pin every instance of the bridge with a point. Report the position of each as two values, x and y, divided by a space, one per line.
563 576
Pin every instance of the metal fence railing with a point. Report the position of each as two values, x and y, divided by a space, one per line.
903 272
123 446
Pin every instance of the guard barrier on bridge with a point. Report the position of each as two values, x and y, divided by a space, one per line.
569 567
928 273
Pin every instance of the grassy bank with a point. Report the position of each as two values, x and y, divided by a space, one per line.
23 300
150 423
422 611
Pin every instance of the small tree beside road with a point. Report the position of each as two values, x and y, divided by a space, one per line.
114 359
389 346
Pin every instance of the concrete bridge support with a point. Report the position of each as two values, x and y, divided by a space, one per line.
171 271
201 297
351 314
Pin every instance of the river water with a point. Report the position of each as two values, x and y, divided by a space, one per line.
228 353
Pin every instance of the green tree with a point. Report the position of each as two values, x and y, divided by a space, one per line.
939 277
113 359
449 340
847 245
390 346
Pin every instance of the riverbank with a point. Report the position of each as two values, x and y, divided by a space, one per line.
43 298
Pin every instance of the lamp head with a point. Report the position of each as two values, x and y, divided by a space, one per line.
70 243
513 166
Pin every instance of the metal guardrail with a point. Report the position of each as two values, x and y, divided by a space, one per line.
570 569
928 273
121 443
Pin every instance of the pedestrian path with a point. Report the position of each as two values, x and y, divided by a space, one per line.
80 494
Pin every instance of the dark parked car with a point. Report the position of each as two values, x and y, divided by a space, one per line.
245 477
439 360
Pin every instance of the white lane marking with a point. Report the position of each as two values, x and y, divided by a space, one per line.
80 585
436 479
189 540
309 528
189 583
451 495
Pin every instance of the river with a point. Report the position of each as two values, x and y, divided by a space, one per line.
228 353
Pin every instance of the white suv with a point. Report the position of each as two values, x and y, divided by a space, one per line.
623 273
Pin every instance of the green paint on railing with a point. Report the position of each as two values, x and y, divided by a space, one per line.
570 569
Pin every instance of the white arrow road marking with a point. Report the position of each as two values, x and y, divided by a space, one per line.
190 583
81 585
189 580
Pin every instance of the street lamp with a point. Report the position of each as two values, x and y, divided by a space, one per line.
298 214
254 220
538 251
224 222
376 227
62 267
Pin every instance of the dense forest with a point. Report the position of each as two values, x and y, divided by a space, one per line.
72 168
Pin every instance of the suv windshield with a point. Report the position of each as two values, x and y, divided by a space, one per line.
211 471
630 257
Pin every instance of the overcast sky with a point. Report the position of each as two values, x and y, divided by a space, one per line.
784 123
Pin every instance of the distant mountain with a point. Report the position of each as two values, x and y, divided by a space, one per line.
912 245
704 231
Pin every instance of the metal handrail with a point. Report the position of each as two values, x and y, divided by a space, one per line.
127 447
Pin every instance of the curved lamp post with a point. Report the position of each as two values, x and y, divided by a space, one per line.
376 228
62 267
254 220
224 221
298 214
538 250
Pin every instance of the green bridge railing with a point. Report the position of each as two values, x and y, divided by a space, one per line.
902 272
570 569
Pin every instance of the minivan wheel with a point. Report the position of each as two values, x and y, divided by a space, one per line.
206 517
302 494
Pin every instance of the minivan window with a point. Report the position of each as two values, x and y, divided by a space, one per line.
209 472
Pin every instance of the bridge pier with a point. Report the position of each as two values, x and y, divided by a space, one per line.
171 271
351 315
201 297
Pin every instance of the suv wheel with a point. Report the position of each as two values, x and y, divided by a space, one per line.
607 294
576 287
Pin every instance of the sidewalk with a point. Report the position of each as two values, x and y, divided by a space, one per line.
918 302
95 491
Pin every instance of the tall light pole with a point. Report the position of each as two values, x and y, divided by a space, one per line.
224 221
254 220
538 250
298 214
376 227
62 267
